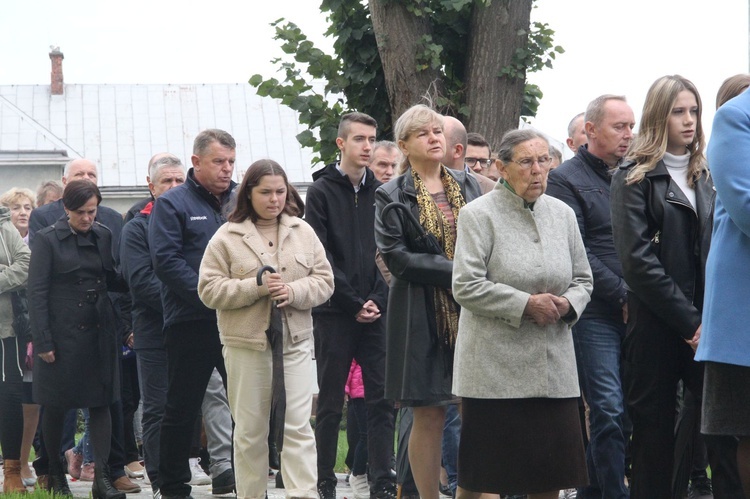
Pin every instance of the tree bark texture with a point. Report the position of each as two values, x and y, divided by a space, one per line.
398 34
495 101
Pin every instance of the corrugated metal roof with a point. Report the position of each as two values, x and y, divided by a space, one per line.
122 126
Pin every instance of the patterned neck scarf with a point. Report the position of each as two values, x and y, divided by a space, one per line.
434 222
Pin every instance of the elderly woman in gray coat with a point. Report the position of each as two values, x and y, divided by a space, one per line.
522 279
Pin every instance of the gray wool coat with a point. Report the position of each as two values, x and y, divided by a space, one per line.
504 253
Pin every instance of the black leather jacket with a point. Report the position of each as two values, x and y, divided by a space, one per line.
411 311
663 242
393 236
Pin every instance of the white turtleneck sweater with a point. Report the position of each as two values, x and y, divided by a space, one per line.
677 166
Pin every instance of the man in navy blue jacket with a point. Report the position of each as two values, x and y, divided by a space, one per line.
183 220
165 172
583 183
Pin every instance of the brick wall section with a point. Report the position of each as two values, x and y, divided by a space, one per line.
56 76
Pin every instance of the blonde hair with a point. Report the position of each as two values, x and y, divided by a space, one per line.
409 122
16 193
650 145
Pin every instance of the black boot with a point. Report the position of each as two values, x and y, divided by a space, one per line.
58 485
102 487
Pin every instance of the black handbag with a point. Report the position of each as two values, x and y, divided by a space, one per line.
421 241
21 323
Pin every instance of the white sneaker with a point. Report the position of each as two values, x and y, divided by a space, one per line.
359 486
199 476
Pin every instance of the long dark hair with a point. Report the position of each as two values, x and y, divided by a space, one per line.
293 205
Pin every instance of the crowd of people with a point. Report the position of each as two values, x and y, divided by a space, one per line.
580 333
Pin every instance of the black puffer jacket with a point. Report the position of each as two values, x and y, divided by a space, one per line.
343 220
663 243
583 183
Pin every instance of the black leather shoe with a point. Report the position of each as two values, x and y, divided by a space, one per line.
223 484
102 487
58 485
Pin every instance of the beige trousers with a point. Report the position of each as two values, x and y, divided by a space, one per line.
249 393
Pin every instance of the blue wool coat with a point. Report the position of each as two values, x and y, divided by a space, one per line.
726 317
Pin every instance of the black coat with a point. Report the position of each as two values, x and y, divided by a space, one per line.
71 314
663 243
145 287
416 370
47 215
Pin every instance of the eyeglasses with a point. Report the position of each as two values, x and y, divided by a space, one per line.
527 163
483 162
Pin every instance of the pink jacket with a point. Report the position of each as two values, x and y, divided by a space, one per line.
355 387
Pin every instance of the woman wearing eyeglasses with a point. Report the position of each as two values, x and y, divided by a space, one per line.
522 279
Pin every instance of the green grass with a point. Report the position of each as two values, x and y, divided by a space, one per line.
341 451
37 494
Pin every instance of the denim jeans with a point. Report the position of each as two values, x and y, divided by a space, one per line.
84 445
597 347
451 435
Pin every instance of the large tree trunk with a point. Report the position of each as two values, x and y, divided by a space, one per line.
397 32
495 101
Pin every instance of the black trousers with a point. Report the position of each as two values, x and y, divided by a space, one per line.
193 351
131 396
339 339
11 389
655 360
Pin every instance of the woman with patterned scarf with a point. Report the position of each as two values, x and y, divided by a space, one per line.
422 315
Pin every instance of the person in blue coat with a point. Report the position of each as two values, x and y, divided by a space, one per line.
725 339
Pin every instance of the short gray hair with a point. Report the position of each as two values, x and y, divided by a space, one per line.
387 144
207 137
595 109
514 137
163 161
572 124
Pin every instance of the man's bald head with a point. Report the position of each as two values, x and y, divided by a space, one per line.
79 169
456 139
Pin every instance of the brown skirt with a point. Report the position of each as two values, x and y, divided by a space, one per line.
520 446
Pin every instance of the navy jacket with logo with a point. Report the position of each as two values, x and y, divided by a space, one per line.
182 222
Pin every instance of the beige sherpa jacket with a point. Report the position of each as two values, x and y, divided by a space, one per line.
227 283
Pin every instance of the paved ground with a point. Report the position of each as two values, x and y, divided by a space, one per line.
83 489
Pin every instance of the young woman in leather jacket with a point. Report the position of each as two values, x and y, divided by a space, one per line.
662 215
